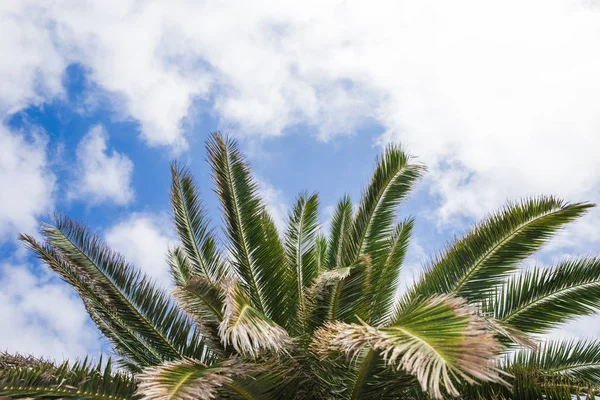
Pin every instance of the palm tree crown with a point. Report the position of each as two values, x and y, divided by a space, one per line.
307 316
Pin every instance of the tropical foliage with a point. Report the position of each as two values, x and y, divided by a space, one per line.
264 314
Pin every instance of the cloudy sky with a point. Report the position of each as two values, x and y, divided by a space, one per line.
500 99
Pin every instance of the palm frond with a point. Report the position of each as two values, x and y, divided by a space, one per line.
542 298
145 309
135 350
475 264
321 250
30 378
301 244
179 266
320 296
440 340
347 300
341 223
192 226
557 370
245 328
189 379
203 300
258 255
392 181
579 360
385 277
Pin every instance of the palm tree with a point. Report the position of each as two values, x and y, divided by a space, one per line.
301 315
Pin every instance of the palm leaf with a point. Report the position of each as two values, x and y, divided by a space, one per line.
392 181
203 300
476 263
189 379
30 378
578 360
385 278
320 296
321 251
192 226
440 340
542 298
135 350
245 328
341 222
301 243
258 255
148 311
557 370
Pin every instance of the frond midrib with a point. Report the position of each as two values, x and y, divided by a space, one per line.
491 251
242 231
188 223
367 229
125 299
179 384
572 367
547 297
299 255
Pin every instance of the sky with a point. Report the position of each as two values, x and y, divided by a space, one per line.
501 100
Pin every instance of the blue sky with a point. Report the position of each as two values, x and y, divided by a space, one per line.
98 98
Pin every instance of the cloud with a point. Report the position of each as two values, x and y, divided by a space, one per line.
495 112
144 239
27 182
101 175
43 317
32 67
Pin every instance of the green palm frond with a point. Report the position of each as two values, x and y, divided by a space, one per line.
542 298
30 378
193 228
557 370
301 243
321 250
203 300
320 297
577 360
245 328
473 265
439 340
385 277
258 255
347 297
393 179
179 266
147 310
188 379
135 350
341 223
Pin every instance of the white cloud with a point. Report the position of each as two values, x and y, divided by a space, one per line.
143 239
496 112
31 67
26 181
101 175
43 317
